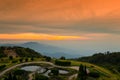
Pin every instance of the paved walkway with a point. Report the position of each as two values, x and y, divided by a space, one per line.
30 75
8 69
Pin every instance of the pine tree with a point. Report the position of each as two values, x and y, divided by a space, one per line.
82 73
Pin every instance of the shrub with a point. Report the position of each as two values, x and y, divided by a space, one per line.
94 74
17 75
47 58
14 61
32 58
62 58
21 59
26 59
40 77
55 71
11 57
2 67
62 63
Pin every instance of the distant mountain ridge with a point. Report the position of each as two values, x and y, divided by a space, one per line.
46 49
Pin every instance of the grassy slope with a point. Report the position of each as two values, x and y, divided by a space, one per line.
105 74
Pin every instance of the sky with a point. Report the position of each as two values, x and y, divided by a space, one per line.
88 23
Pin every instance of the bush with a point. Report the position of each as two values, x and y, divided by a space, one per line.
17 75
57 78
20 72
32 58
2 67
118 69
62 58
40 77
62 63
14 61
94 74
55 71
21 59
26 59
47 58
11 57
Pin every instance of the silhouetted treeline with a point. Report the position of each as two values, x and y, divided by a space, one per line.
101 58
108 59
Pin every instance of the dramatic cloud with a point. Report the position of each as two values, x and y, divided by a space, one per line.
74 18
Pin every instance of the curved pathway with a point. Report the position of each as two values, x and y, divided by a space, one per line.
8 69
17 65
72 77
31 76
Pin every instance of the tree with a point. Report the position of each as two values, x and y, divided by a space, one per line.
10 76
62 63
17 75
94 74
48 58
82 73
26 59
21 59
62 58
32 58
2 67
40 77
11 57
55 71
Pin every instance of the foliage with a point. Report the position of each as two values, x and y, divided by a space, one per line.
11 57
17 75
32 58
14 61
62 63
2 52
26 59
40 77
26 52
2 67
62 58
55 71
20 51
57 78
94 74
47 58
82 73
21 59
107 59
100 58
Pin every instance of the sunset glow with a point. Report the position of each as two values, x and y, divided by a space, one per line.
58 19
32 36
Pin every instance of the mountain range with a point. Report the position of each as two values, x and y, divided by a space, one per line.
46 49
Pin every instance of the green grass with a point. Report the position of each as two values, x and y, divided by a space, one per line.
6 61
105 73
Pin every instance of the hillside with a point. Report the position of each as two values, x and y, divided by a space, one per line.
18 52
110 60
48 50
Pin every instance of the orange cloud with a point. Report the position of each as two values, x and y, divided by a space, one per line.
59 16
32 36
58 10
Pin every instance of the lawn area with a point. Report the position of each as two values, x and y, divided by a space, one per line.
105 73
8 63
